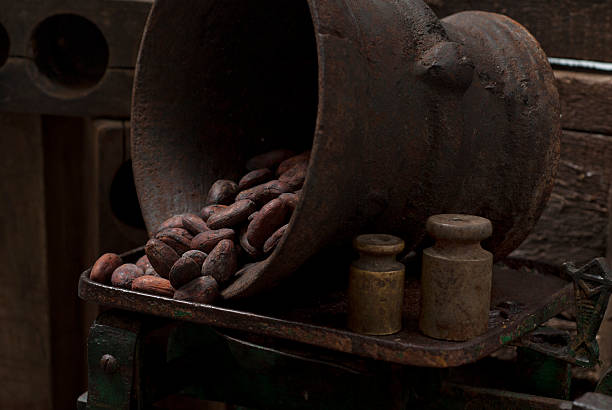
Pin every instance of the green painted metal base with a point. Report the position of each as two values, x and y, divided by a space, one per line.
136 360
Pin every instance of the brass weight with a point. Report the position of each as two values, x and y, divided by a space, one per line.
456 278
376 286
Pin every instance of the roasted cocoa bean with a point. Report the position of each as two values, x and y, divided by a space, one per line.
246 267
161 256
290 199
253 252
233 215
154 285
253 178
274 239
178 239
198 256
250 218
194 224
104 267
222 192
222 262
143 263
175 221
295 176
206 241
124 275
184 270
241 281
290 162
268 159
210 210
264 193
204 289
151 272
271 217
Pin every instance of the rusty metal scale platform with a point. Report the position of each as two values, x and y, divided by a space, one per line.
523 297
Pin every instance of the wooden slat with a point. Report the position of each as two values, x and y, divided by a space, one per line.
23 88
70 248
586 101
25 342
580 29
111 138
574 225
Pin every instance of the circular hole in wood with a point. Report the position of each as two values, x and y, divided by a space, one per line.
4 45
70 50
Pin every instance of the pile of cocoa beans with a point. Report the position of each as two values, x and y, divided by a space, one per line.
192 257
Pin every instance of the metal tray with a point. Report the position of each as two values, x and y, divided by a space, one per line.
523 296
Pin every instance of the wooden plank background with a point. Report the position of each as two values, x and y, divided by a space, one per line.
580 29
25 319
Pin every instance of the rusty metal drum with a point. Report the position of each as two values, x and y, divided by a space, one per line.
407 116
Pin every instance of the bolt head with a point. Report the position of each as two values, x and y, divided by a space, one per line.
108 363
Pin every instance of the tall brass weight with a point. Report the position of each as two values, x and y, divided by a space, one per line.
456 278
376 286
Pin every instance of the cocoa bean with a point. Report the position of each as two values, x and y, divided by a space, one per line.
274 239
204 289
154 285
161 256
178 239
271 217
184 270
210 210
222 192
246 267
124 275
268 159
250 218
232 215
290 162
143 263
290 199
175 221
104 267
241 281
206 241
295 176
264 193
198 256
194 224
248 248
222 262
256 177
151 272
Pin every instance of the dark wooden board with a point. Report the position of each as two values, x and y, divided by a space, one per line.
120 21
586 101
574 225
319 320
580 29
23 88
25 320
112 145
69 237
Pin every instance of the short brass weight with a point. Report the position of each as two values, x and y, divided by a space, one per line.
376 285
456 278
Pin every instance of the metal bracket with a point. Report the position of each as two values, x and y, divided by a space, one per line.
592 289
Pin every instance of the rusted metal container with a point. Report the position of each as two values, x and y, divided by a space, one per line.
407 116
